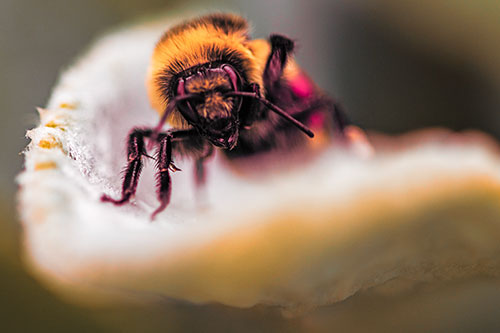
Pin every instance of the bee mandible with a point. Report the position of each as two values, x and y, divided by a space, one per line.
219 88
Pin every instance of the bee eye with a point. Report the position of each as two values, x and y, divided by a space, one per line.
185 107
232 75
181 91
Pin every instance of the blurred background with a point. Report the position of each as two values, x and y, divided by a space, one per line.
395 65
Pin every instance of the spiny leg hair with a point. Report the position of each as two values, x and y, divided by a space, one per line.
163 181
135 151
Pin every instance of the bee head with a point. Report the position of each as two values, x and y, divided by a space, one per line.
210 111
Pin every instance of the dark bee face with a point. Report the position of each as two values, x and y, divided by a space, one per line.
211 112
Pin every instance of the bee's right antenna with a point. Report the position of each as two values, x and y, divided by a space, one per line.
170 107
274 108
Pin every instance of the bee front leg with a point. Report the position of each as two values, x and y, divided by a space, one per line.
135 151
164 183
165 164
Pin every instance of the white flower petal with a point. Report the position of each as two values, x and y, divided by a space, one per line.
306 236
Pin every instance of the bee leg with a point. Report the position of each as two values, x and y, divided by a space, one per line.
164 183
136 150
334 111
281 47
199 171
165 164
339 117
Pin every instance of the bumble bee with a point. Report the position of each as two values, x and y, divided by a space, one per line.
217 87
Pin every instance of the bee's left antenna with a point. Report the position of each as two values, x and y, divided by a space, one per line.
170 107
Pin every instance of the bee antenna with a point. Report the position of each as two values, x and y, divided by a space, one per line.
170 107
274 108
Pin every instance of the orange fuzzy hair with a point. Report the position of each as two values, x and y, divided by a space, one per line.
213 38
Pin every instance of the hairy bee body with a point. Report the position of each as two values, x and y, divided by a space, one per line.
217 87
